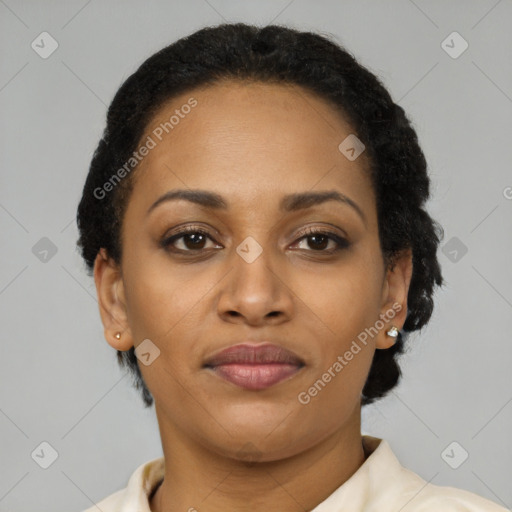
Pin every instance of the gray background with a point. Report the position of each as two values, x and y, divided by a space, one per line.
60 382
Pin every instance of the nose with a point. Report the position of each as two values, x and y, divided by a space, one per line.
255 292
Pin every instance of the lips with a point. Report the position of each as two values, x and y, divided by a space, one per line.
245 353
254 367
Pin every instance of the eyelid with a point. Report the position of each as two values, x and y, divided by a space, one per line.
325 228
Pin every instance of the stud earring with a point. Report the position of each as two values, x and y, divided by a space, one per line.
118 335
393 332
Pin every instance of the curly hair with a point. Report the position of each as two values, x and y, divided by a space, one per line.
277 54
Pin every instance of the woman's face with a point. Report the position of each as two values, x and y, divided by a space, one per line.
255 276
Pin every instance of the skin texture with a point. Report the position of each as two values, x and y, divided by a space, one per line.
252 143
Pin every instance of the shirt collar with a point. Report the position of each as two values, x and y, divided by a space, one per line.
369 482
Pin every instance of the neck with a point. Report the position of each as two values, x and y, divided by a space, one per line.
199 479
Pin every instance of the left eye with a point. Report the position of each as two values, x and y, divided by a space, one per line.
193 240
321 238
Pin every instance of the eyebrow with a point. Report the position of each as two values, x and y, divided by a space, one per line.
289 203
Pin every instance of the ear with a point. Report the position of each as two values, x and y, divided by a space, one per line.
111 300
394 296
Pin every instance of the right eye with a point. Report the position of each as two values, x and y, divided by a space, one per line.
193 240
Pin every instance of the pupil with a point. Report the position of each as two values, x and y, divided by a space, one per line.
316 237
195 239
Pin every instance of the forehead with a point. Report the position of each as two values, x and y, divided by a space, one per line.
250 141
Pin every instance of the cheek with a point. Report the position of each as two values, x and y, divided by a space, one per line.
343 300
165 302
341 305
155 301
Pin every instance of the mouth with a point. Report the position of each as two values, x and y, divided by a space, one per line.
254 367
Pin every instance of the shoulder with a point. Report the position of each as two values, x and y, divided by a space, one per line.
418 495
433 498
111 503
392 486
135 496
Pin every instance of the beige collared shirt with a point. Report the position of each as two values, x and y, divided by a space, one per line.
381 484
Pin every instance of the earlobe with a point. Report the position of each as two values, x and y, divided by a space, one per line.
111 301
394 301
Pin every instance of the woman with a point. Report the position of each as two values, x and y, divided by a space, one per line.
254 220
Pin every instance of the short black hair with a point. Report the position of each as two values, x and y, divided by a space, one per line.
282 55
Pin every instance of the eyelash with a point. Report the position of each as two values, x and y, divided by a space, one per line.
341 242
